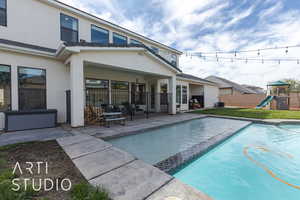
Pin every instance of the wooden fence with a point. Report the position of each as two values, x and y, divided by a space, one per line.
252 100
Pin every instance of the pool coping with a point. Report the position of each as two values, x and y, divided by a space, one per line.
255 120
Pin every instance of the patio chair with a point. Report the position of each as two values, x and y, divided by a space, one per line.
93 115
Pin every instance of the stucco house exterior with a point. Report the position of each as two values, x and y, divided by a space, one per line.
48 48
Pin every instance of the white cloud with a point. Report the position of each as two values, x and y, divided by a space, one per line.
213 25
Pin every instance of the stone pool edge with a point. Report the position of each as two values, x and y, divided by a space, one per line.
185 157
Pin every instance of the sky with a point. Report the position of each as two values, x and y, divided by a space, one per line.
214 25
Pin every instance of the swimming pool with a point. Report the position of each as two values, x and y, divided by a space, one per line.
156 145
261 162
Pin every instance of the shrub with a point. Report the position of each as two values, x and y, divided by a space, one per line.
84 191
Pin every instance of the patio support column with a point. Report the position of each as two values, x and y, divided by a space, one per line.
77 91
172 90
129 90
110 37
157 96
14 88
109 92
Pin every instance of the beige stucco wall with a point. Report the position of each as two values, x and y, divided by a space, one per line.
128 60
211 95
109 74
35 22
57 79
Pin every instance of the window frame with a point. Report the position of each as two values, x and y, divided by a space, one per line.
114 33
178 94
93 25
9 66
61 27
184 97
4 9
19 67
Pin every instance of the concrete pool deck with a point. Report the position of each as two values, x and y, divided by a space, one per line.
126 177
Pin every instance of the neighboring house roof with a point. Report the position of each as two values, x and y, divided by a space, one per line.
256 89
100 20
195 78
87 44
224 83
278 83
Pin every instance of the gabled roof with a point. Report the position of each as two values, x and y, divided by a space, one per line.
278 83
72 9
194 78
88 44
224 83
256 89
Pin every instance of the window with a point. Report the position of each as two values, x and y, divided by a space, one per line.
155 50
138 93
174 60
96 92
178 94
119 92
3 12
184 94
32 88
68 28
133 41
5 88
164 94
119 39
99 35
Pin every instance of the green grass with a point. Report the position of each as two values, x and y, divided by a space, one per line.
252 113
85 191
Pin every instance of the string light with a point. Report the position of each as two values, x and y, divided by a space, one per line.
257 58
249 51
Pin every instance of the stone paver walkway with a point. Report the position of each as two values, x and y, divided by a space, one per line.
32 135
126 177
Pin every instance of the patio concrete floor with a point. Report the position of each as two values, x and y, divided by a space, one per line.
126 177
136 126
32 135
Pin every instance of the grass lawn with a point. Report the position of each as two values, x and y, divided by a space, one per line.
253 113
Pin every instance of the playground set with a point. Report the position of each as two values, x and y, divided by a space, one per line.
278 96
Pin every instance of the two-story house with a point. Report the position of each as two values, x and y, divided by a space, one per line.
48 48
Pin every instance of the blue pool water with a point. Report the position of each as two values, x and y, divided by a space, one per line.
156 145
262 162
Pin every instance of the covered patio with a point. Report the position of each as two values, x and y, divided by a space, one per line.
126 79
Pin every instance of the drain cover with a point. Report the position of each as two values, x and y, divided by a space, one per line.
172 198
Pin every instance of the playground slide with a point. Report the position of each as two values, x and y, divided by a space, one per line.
265 102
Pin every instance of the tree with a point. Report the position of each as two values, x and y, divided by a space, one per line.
294 84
